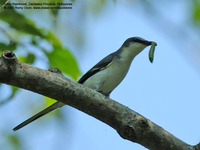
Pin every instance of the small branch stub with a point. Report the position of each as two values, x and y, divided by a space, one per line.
9 55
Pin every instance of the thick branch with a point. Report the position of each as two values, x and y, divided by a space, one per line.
129 124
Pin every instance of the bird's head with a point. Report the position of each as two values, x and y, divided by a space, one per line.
133 46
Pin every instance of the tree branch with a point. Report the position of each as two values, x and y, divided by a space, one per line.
128 123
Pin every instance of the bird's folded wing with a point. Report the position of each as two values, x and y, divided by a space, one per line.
99 66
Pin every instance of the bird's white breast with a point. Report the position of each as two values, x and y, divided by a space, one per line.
106 80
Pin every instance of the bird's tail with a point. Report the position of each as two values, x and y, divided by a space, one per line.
40 114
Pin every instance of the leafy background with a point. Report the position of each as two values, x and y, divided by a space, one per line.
166 91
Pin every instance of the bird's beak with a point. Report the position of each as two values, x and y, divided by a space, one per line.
147 43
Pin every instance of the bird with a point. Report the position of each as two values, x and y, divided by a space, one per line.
106 75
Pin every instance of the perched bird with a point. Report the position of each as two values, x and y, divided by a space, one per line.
106 75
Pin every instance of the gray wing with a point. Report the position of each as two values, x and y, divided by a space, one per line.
99 66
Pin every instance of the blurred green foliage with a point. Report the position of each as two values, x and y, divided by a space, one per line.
20 22
14 28
196 11
29 59
24 25
11 46
60 55
14 141
19 26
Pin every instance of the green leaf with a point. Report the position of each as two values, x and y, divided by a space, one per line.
53 39
30 58
196 11
20 22
12 46
2 2
14 91
49 101
65 61
14 140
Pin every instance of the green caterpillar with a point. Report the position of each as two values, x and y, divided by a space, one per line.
151 52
